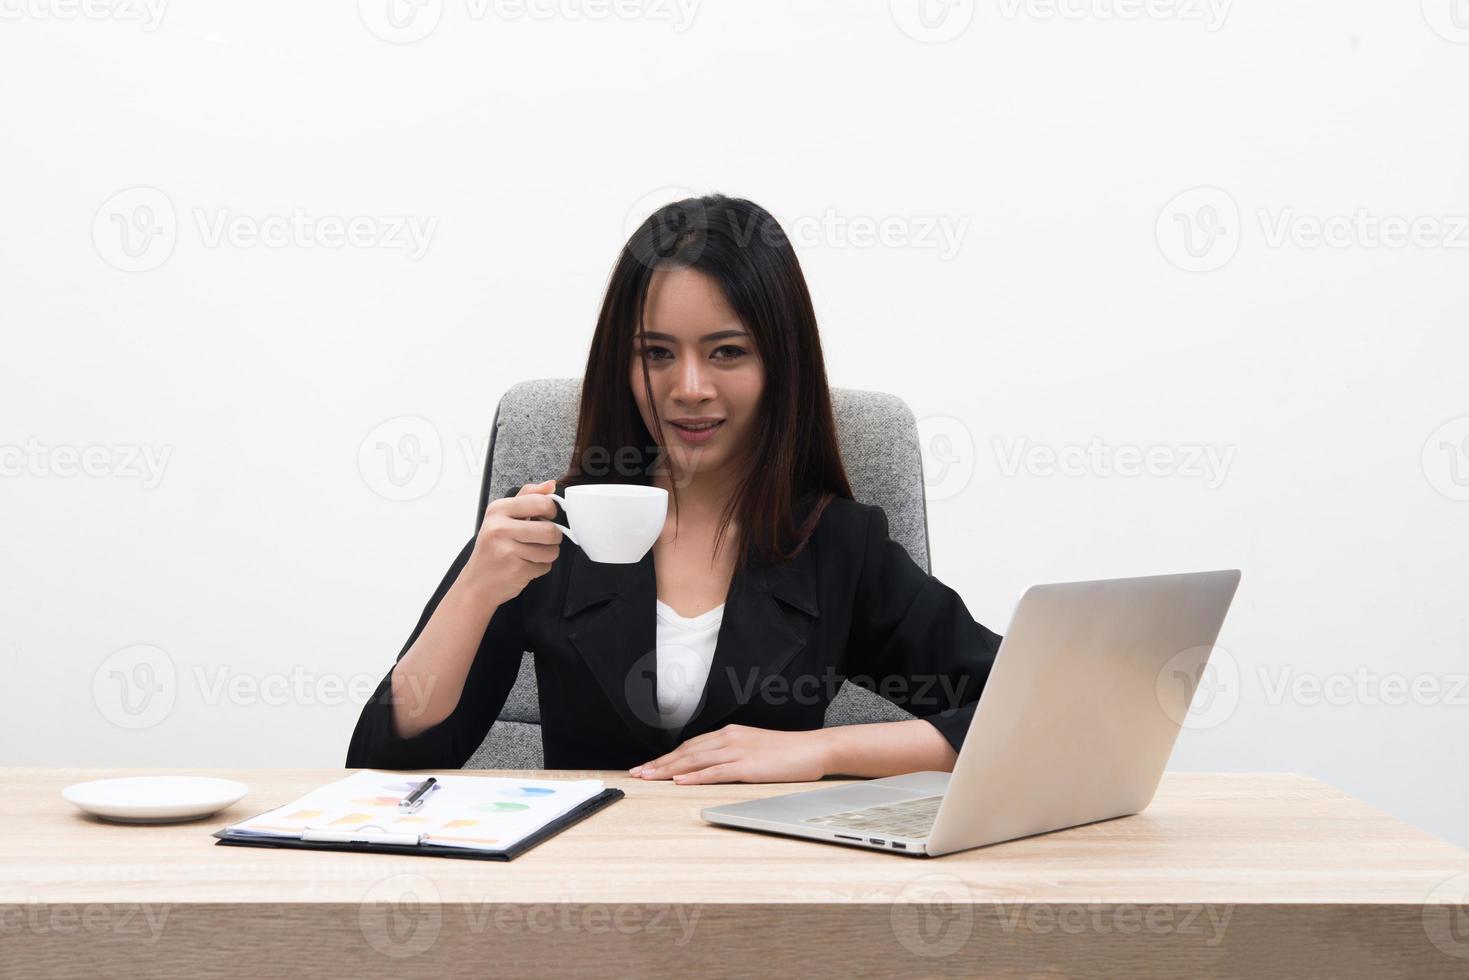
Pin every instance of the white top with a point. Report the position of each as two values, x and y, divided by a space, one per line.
685 653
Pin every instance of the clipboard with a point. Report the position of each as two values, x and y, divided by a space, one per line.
575 815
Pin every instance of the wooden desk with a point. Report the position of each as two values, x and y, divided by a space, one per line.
1241 875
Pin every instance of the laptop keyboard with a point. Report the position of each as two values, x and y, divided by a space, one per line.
910 818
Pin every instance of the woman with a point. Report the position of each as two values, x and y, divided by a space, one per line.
715 657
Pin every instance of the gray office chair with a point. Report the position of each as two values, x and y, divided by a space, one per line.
531 440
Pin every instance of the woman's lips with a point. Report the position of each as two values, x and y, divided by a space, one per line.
696 438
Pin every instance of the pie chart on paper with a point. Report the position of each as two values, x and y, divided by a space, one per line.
527 791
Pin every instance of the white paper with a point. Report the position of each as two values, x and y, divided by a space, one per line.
487 813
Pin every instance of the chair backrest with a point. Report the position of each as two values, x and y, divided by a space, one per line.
531 440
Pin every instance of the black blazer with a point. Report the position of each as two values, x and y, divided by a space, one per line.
853 604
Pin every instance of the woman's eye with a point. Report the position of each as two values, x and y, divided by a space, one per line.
655 353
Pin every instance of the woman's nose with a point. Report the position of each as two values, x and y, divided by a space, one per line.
693 380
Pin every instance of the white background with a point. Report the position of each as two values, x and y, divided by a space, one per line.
1082 307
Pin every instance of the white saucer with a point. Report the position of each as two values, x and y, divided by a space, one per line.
155 799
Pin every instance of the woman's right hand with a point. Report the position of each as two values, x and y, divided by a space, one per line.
512 547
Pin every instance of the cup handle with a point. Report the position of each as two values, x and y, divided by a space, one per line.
562 527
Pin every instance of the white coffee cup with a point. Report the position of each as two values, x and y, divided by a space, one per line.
613 522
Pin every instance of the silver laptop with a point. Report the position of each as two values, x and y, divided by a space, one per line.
1090 687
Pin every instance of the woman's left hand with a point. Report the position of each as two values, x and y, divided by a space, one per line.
741 754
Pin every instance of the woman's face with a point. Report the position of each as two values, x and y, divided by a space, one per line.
702 365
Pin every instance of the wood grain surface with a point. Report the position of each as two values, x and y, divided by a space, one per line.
1229 875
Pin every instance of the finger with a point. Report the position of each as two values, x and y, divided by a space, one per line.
545 553
545 486
683 747
533 531
532 505
647 768
706 741
689 762
724 772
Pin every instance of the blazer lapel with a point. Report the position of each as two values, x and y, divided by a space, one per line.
618 638
757 637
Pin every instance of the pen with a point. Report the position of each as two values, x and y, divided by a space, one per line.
415 799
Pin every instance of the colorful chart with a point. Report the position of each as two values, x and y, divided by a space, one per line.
455 824
352 818
502 807
376 801
527 791
435 838
401 787
411 820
